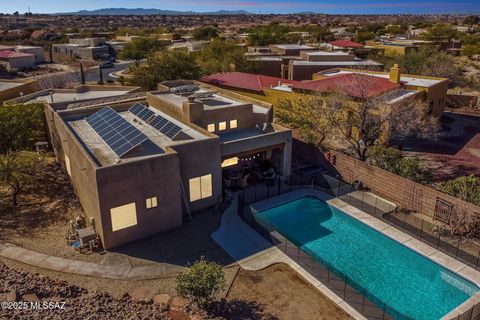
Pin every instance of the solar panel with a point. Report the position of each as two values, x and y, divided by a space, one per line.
158 122
118 133
141 111
171 130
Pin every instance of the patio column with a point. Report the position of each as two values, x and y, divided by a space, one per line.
287 158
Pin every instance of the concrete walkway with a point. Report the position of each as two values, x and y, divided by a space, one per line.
119 271
253 252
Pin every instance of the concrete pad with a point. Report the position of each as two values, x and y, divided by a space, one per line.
420 247
447 261
470 274
375 223
397 235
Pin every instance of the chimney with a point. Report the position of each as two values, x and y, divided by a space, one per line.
395 74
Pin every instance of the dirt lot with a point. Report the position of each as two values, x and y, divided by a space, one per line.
279 293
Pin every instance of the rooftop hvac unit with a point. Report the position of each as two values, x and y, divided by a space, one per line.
187 89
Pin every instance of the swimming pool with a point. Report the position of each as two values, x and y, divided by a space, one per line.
410 285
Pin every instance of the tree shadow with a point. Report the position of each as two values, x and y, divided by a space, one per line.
48 202
239 309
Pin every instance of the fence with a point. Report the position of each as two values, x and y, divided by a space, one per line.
359 298
363 301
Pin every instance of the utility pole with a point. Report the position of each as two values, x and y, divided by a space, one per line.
101 74
82 74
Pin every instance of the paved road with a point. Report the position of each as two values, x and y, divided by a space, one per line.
94 76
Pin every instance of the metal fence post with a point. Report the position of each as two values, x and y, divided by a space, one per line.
478 258
363 198
363 299
383 314
456 252
345 288
421 230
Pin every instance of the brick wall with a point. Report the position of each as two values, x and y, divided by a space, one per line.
405 193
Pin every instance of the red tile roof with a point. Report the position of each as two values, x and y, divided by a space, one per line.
352 84
346 44
246 81
7 54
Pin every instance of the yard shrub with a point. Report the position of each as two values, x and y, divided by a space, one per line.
392 160
201 282
466 188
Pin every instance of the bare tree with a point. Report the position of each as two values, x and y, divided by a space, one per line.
306 114
60 80
363 116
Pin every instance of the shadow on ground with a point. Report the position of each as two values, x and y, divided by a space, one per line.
239 309
183 245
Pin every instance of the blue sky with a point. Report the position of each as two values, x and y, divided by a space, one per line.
254 6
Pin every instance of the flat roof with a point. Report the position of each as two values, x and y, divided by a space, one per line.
73 96
292 46
5 85
336 63
154 146
409 80
326 53
215 101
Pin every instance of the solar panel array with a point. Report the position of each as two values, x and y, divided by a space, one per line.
118 133
141 111
158 122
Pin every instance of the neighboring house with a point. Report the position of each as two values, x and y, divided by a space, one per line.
140 169
37 51
300 62
189 46
393 48
248 84
304 69
88 48
13 60
43 34
434 89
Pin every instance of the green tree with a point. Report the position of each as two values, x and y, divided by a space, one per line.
21 125
470 50
318 33
472 20
205 33
440 32
223 56
363 36
272 33
165 65
201 283
466 188
139 48
19 170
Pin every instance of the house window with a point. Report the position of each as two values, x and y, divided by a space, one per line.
229 162
233 124
67 165
211 127
151 202
200 187
123 216
222 126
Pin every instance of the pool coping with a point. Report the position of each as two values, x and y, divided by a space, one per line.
422 248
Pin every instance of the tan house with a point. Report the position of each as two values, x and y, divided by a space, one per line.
143 167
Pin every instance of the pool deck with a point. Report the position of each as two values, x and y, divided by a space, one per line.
253 252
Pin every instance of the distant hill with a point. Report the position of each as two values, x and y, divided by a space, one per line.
144 12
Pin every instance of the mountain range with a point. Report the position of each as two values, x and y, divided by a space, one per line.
144 12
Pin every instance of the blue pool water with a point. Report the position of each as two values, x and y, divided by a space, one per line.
411 286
